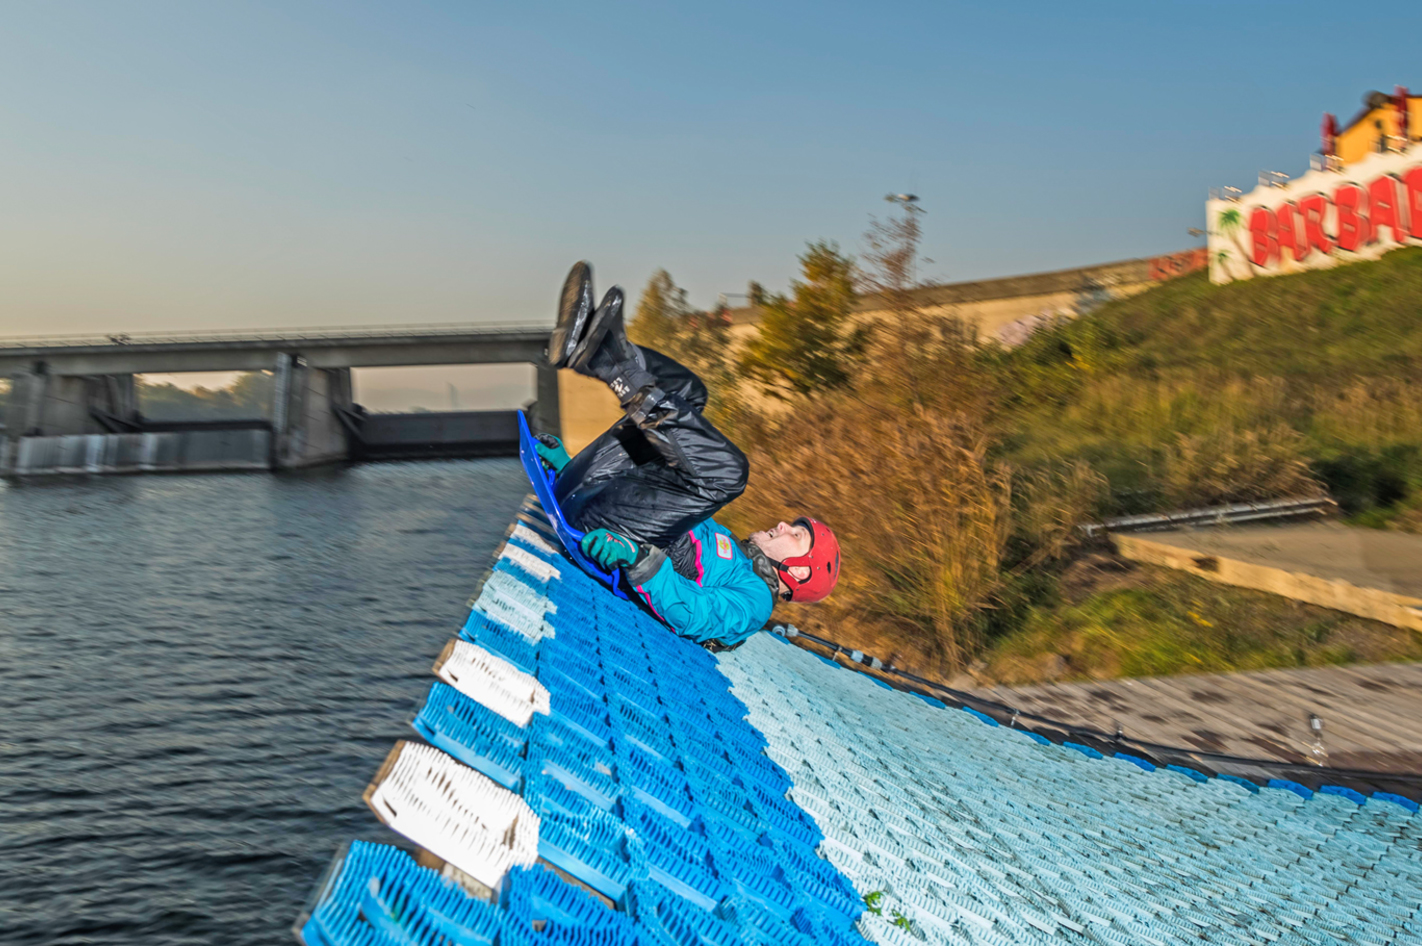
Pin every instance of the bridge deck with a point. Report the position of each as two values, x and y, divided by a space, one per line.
256 349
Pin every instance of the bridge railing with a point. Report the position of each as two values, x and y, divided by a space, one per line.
234 336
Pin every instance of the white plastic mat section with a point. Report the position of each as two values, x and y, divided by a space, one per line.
492 681
454 812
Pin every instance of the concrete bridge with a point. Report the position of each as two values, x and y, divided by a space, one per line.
73 402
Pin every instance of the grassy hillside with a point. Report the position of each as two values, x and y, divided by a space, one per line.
1360 319
1193 393
1108 618
955 473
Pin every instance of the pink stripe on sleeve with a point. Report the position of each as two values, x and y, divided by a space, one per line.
648 598
700 571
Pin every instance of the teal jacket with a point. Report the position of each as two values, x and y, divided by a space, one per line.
725 599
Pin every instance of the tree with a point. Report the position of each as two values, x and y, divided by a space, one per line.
661 313
699 340
892 259
920 358
807 342
252 393
248 396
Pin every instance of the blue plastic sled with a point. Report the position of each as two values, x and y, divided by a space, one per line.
542 479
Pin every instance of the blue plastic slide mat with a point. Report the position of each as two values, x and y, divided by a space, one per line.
766 797
661 821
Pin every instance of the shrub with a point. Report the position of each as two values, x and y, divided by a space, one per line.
933 530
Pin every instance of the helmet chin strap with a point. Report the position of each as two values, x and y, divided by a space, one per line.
786 578
788 595
780 572
784 571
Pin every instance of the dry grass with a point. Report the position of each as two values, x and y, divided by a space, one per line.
922 519
1370 412
1171 443
1192 393
900 467
1228 465
955 473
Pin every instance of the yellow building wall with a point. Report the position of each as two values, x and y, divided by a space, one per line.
1360 139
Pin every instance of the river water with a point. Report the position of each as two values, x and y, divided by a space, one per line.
200 674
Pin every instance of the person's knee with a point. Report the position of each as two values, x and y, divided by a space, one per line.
676 379
743 471
732 476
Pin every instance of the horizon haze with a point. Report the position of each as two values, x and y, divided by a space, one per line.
171 166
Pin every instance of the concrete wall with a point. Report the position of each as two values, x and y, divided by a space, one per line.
1006 309
438 434
997 305
45 404
1374 603
587 408
306 430
186 451
994 304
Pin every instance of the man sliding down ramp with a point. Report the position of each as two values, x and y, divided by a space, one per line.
645 490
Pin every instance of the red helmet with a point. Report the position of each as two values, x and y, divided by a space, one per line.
822 560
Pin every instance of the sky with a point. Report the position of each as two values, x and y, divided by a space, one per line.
179 165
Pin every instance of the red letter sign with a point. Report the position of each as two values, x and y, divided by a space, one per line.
1413 180
1313 209
1382 196
1289 238
1261 228
1352 219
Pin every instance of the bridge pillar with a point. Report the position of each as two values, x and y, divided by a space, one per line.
547 409
45 404
305 428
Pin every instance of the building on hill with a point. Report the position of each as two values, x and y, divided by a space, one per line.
1385 123
1360 198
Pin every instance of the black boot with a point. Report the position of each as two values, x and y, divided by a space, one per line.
606 354
574 308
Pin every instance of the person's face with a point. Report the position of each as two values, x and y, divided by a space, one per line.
783 541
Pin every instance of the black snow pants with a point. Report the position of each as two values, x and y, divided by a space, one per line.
655 481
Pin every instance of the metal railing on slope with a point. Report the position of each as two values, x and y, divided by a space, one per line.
1215 515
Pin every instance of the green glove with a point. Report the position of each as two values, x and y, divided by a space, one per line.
552 452
608 549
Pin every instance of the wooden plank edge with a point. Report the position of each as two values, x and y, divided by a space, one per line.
1333 593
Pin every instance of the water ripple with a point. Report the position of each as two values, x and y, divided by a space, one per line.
198 675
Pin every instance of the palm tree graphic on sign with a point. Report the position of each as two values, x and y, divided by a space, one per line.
1230 223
